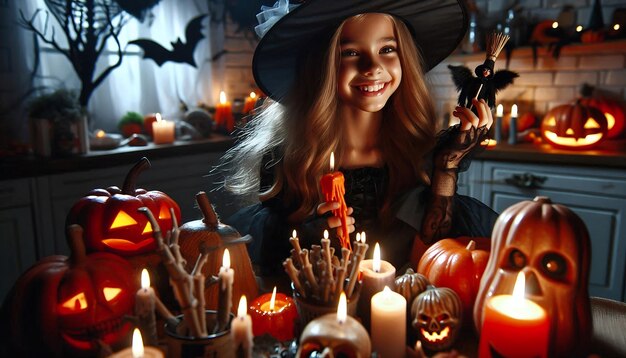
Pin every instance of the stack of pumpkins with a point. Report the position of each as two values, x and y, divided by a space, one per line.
78 305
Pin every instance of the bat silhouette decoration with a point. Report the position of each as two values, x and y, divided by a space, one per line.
181 52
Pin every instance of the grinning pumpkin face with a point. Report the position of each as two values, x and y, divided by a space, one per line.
437 314
612 110
63 306
111 219
550 244
574 126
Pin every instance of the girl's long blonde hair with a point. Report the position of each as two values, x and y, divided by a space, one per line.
306 129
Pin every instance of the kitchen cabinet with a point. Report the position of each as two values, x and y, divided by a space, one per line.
596 194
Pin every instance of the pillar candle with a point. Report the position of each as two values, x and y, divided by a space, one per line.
249 103
144 309
333 189
513 125
514 326
225 281
241 330
224 114
137 350
162 131
375 275
498 127
389 323
275 314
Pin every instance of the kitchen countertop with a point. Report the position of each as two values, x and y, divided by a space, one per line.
611 154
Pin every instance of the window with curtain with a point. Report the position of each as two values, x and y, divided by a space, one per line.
138 84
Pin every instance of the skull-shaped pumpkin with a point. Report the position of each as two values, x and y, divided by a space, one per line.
550 244
327 336
437 315
111 220
574 126
69 306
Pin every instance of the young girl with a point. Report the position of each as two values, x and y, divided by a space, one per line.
346 76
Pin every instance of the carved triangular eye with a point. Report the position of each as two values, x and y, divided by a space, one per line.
551 122
164 213
591 123
74 304
111 293
147 229
122 220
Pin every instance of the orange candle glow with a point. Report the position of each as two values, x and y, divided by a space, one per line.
514 326
224 114
275 314
249 103
333 189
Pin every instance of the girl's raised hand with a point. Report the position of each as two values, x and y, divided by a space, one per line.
333 221
469 118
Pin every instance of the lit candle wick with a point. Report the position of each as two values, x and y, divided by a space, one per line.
222 97
519 290
226 260
342 308
376 258
332 162
242 309
273 300
158 117
137 347
145 279
500 110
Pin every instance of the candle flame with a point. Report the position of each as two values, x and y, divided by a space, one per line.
273 299
376 259
145 279
363 236
252 95
100 133
358 237
158 117
226 259
325 234
242 309
514 111
519 290
223 97
294 234
137 348
555 24
579 28
616 27
342 308
499 110
332 162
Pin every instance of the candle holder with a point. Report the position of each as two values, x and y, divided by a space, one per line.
310 309
218 344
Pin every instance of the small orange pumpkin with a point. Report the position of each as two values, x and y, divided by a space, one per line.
457 264
574 126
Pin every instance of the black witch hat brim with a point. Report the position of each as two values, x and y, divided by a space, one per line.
437 26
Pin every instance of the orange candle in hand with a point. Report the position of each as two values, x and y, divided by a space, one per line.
275 314
514 326
333 189
224 114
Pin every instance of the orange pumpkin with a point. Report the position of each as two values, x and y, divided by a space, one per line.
574 126
457 264
68 306
592 36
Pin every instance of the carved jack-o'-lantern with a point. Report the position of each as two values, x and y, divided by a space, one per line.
64 306
612 110
437 316
550 244
574 126
111 220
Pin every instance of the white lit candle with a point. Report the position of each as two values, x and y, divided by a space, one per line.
225 277
389 323
241 330
376 274
507 316
498 128
144 309
513 125
137 349
162 130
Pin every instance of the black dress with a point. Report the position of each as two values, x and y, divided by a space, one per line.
267 222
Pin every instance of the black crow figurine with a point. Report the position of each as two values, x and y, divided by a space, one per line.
486 83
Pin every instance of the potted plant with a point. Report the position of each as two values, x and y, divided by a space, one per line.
58 124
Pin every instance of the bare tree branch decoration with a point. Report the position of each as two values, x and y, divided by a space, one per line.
87 25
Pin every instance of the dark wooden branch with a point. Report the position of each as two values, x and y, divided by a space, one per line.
28 24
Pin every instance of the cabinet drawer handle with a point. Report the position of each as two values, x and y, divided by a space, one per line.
526 180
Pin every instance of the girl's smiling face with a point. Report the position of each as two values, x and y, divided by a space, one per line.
370 70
